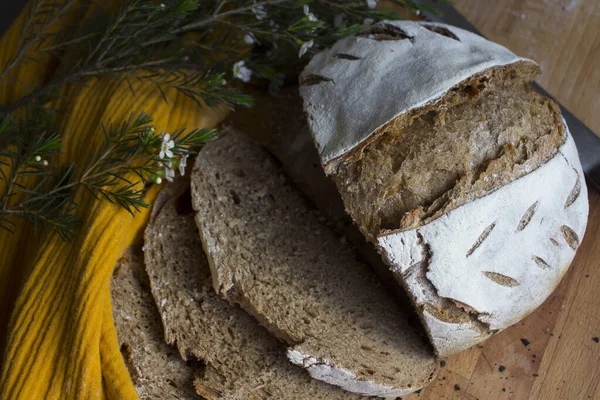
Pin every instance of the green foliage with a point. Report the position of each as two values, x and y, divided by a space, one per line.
128 158
203 49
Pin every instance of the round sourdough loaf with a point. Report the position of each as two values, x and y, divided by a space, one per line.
466 180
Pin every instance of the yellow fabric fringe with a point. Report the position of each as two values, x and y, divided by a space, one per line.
57 335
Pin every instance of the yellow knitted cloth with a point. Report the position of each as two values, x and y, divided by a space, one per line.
57 336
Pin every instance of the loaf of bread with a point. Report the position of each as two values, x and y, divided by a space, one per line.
466 180
241 360
271 253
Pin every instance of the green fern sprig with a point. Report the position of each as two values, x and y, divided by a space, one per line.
128 159
147 39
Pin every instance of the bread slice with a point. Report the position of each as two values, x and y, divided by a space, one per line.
243 361
272 253
466 179
274 122
154 366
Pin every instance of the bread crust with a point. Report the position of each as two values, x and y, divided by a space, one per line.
499 256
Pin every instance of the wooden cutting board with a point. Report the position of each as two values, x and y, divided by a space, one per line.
554 353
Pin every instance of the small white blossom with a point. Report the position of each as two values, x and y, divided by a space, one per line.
162 6
241 72
158 180
368 21
183 164
45 163
305 46
338 19
38 159
311 16
166 146
249 39
372 3
259 12
169 174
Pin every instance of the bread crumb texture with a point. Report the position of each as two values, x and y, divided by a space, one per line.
241 359
419 169
155 369
271 253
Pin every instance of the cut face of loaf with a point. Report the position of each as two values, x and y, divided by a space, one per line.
271 253
466 179
155 372
414 172
242 360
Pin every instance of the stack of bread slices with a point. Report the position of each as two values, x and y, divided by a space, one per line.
258 277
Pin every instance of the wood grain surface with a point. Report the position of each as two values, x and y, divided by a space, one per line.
554 353
563 36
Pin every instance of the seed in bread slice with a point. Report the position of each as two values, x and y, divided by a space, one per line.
270 252
157 372
243 361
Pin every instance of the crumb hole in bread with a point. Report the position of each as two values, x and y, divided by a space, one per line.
235 197
441 31
343 56
171 383
367 370
313 79
230 332
311 313
384 31
125 350
194 363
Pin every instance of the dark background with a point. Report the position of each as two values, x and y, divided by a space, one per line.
9 9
